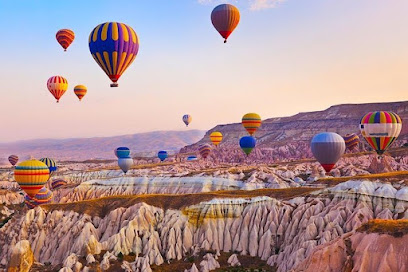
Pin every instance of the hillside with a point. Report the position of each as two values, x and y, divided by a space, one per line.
101 147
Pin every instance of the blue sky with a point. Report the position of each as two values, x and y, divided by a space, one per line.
285 57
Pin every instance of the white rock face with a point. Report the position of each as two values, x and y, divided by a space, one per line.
282 232
22 257
209 263
233 260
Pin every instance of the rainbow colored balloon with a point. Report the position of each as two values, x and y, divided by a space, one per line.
58 183
13 159
30 202
43 196
216 137
114 46
352 140
380 129
204 150
251 122
31 175
225 19
65 37
80 91
57 85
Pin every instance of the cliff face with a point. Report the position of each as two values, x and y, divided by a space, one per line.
289 137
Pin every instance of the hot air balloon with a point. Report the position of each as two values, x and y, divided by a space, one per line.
247 143
162 155
43 196
114 47
187 119
125 164
191 158
351 140
122 152
204 150
57 183
65 37
327 148
30 202
31 175
380 129
251 122
216 137
13 159
52 166
57 85
80 91
225 19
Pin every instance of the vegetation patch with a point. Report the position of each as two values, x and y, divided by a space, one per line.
396 228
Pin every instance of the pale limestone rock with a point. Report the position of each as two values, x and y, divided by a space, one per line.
233 260
22 257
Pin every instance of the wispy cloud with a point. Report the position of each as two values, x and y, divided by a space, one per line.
263 4
253 4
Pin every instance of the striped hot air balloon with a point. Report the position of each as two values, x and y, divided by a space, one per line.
43 196
52 165
57 85
380 129
204 150
187 119
216 137
251 122
58 183
327 148
31 175
114 47
65 37
122 152
225 19
247 143
80 91
352 140
13 159
162 155
30 202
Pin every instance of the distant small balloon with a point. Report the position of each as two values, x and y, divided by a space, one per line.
247 144
13 159
191 158
58 183
122 152
52 165
225 19
80 91
352 140
44 196
327 148
57 85
204 150
216 137
251 122
125 164
65 37
187 119
162 155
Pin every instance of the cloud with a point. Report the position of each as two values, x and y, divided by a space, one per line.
254 5
263 4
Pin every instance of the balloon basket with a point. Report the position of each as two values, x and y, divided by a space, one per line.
114 85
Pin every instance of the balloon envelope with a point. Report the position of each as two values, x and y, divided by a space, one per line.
225 19
80 91
122 152
114 47
57 183
31 175
13 159
352 140
327 148
380 129
187 119
251 122
191 158
30 202
216 137
52 166
57 85
247 143
204 150
125 164
162 155
43 196
65 37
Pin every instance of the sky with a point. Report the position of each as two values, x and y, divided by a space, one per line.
285 57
